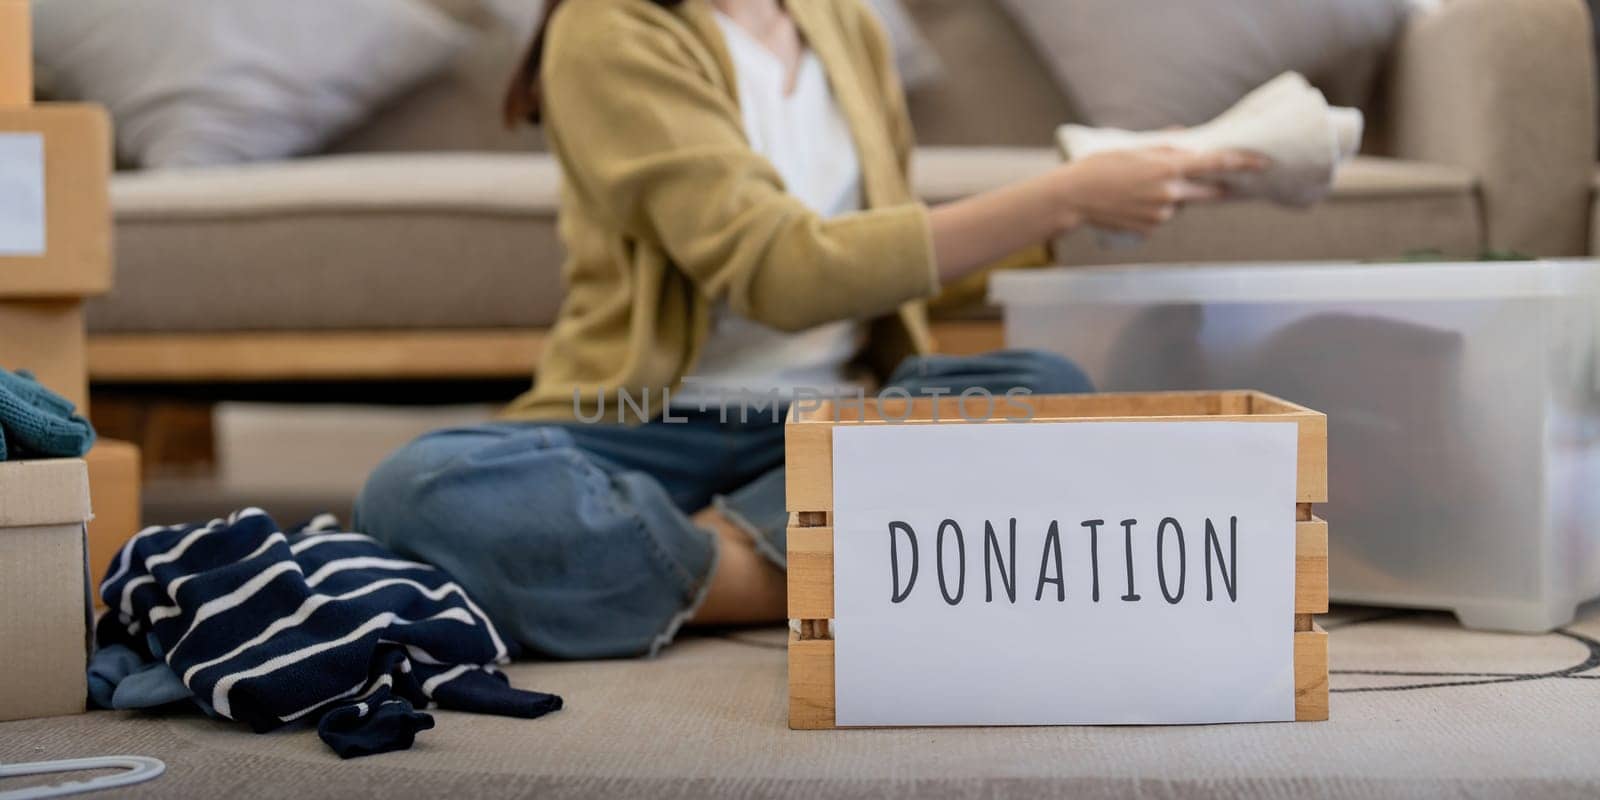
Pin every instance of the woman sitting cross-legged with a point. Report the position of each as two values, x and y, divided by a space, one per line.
738 222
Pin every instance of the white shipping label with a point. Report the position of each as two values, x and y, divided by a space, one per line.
22 222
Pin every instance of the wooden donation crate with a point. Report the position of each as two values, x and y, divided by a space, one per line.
960 594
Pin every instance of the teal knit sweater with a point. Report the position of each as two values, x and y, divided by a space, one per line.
38 423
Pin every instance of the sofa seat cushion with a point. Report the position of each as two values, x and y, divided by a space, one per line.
1594 216
941 174
231 81
366 242
386 242
947 173
1380 208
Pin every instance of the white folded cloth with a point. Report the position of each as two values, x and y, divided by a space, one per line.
1286 119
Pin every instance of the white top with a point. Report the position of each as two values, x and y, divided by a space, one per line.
807 140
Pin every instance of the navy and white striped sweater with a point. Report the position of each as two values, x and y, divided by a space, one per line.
270 628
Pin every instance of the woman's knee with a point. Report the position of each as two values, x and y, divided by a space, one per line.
568 555
1049 373
405 488
391 490
1037 371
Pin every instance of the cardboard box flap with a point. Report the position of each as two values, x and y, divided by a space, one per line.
44 492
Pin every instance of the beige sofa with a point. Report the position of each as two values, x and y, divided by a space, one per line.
1594 218
424 245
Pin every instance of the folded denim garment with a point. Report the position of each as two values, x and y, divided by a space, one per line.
1286 119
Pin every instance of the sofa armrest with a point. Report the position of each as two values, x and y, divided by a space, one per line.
1505 90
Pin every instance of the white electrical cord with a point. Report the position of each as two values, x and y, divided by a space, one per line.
136 769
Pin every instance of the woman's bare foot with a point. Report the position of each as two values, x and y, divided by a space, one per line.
746 588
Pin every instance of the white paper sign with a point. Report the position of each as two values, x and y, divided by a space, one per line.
931 635
22 231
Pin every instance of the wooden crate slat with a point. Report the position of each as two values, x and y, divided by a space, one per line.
1311 567
1047 408
809 436
1059 406
808 461
810 573
810 683
1310 675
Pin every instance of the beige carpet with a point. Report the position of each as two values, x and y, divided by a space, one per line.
1420 708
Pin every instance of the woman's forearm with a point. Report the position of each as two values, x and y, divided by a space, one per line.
976 231
1126 190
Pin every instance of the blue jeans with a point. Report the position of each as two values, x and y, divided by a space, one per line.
576 538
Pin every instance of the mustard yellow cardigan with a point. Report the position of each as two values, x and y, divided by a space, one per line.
666 210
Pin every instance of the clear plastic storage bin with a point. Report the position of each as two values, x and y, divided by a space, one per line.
1463 419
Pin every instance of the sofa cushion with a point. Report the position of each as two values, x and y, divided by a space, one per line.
1594 217
230 81
376 242
1379 208
459 109
1179 62
337 242
914 58
940 174
995 90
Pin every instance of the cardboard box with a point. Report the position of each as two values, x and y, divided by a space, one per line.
65 150
44 608
46 338
114 482
16 54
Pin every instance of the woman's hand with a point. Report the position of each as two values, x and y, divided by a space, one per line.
1138 190
1131 190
